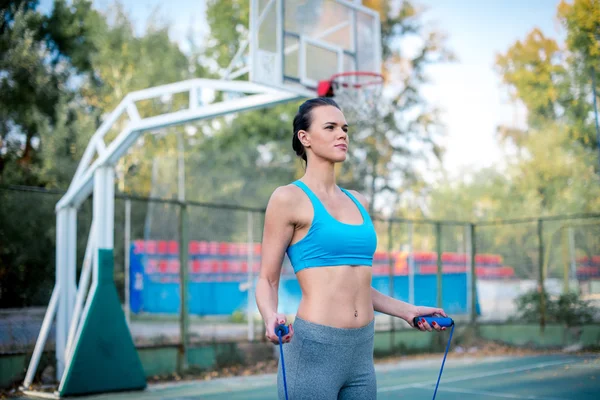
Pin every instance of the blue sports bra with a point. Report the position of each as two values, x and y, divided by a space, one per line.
330 242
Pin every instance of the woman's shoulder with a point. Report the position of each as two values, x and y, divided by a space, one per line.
285 197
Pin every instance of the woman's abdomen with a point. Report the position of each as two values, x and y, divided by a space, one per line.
338 296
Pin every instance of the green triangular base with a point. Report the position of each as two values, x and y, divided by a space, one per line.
105 358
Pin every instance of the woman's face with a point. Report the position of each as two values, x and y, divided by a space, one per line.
327 136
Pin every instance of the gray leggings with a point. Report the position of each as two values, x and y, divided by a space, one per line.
323 362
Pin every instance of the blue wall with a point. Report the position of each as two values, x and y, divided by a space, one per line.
222 294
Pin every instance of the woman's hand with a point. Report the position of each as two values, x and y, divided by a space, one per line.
420 311
273 322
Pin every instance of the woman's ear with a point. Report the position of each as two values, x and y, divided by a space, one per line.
304 138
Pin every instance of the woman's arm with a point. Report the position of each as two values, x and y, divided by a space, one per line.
397 308
277 234
390 306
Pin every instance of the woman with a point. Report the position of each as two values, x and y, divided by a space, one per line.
330 240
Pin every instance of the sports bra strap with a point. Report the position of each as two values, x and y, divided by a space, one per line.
306 190
361 208
317 205
321 208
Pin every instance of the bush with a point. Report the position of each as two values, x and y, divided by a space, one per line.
568 309
238 317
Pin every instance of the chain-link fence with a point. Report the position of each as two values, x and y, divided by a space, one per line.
488 271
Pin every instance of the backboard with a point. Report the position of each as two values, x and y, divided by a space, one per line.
294 44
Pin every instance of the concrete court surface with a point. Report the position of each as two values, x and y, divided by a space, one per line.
543 377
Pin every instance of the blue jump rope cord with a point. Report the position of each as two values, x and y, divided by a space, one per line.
279 332
443 361
282 330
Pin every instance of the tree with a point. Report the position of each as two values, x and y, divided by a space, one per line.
125 62
553 169
60 75
39 55
581 19
41 116
534 73
553 82
380 154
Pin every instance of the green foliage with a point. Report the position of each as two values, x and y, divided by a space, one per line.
568 308
381 158
532 70
582 21
60 75
228 21
552 80
26 249
550 166
238 317
573 311
39 55
43 130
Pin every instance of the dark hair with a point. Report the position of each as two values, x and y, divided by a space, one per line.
303 119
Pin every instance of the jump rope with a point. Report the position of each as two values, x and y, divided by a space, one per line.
444 322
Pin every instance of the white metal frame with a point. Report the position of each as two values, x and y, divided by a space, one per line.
69 304
304 41
306 86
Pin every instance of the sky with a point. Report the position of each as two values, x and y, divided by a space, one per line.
468 91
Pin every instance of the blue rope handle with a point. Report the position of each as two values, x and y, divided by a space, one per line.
282 330
444 322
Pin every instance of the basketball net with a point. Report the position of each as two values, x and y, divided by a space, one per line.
359 95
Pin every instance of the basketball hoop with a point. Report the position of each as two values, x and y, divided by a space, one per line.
358 93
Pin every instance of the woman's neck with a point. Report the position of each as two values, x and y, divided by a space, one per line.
320 174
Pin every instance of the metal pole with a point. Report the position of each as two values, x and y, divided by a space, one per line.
468 273
541 289
473 287
262 226
183 289
250 307
62 325
180 168
572 255
84 283
438 239
596 114
127 260
71 260
391 282
411 265
565 259
44 331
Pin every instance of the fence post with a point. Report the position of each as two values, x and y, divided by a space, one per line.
473 288
391 282
127 261
541 289
183 288
573 268
262 225
411 265
438 240
565 258
250 256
